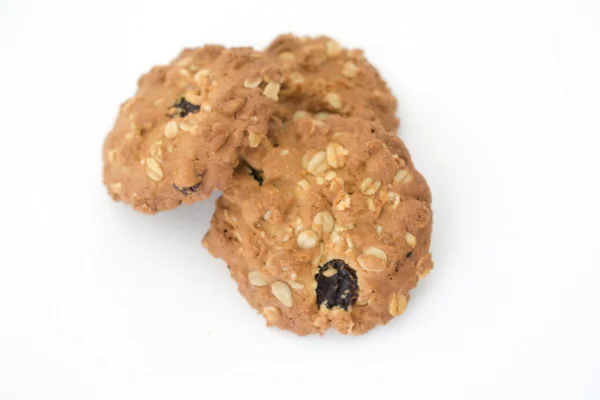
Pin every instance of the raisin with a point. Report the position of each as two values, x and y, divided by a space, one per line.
340 289
182 108
186 191
409 254
257 175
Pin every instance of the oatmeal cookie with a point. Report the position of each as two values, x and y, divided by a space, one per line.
180 136
333 231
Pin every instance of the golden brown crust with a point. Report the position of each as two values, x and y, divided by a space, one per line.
342 189
321 77
180 136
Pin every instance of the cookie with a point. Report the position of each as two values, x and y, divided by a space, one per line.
322 78
334 231
180 136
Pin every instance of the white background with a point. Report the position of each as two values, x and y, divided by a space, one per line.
499 102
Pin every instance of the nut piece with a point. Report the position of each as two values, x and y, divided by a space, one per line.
322 115
369 187
344 203
297 225
112 155
304 184
256 278
379 229
318 163
282 292
156 149
400 175
371 204
394 199
424 265
184 72
307 239
376 252
254 139
237 236
337 184
115 187
271 91
371 263
153 170
333 48
305 160
201 75
335 237
271 314
323 221
252 83
330 272
403 176
334 100
171 129
350 70
398 303
336 155
186 126
193 98
339 227
410 239
349 242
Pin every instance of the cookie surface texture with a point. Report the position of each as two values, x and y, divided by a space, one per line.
180 136
321 78
333 232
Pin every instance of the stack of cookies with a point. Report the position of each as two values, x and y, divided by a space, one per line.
323 220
